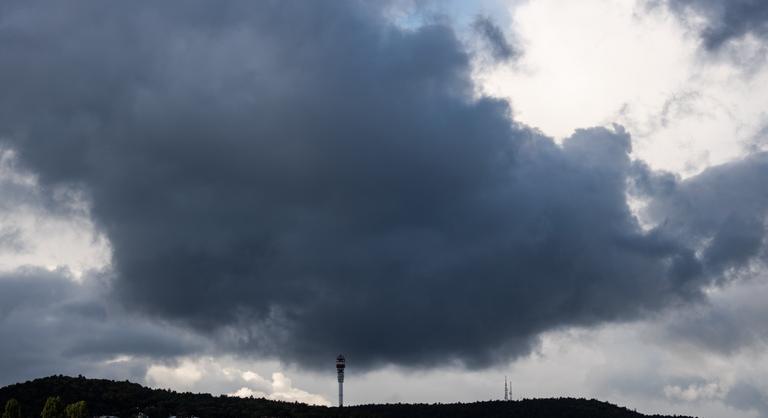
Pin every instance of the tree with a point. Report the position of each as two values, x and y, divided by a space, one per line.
77 410
53 408
12 409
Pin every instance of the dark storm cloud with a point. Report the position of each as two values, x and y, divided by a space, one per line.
721 213
300 179
726 19
498 45
723 209
50 324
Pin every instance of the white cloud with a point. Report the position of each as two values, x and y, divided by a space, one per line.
246 392
53 239
184 375
694 392
595 62
229 376
282 389
584 60
250 376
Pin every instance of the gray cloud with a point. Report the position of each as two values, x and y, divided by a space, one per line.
11 239
495 40
51 324
746 396
759 140
729 324
720 212
727 20
725 330
299 179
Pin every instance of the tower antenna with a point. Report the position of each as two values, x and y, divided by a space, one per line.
340 364
506 394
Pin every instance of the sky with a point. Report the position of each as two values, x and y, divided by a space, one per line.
222 197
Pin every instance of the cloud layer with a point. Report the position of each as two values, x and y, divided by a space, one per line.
51 324
298 180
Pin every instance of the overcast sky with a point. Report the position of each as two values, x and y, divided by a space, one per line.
221 197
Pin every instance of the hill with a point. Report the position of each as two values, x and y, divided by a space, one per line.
126 399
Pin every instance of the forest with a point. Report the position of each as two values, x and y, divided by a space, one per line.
80 397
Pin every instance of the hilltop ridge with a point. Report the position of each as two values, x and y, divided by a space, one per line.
125 399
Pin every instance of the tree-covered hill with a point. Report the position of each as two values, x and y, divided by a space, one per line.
125 399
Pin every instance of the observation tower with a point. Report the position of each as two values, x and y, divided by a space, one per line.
340 364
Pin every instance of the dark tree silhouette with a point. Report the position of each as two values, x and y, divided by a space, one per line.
125 399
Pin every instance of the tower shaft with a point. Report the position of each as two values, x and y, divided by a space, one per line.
340 365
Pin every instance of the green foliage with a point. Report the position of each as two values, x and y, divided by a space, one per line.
77 410
53 408
12 409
